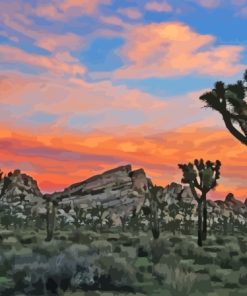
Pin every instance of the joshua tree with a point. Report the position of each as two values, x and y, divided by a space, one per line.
202 177
229 101
79 216
124 221
153 208
51 211
173 211
98 214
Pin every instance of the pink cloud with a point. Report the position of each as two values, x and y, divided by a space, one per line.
44 39
60 63
131 13
209 3
63 10
161 6
53 42
172 49
238 2
243 12
116 109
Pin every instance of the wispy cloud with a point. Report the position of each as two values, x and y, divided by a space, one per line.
209 3
67 9
131 13
158 6
60 63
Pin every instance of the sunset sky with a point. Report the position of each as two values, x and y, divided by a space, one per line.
89 85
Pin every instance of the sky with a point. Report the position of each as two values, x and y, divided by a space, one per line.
86 86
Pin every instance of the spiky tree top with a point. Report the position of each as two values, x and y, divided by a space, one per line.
229 101
201 175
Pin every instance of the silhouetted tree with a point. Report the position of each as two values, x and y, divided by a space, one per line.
229 101
202 177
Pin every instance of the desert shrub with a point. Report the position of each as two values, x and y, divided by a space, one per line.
129 253
115 272
202 257
216 275
243 275
243 259
83 237
101 247
186 249
28 239
243 244
170 259
77 250
159 248
175 240
50 248
202 284
117 249
179 281
228 257
143 248
231 280
38 274
220 240
233 248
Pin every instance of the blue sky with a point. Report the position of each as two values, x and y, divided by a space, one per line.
115 76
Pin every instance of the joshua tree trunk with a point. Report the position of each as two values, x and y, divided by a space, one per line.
51 219
200 228
155 220
205 217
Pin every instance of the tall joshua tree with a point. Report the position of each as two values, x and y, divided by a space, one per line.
229 101
201 177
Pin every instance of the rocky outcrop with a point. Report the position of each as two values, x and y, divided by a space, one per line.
19 187
119 190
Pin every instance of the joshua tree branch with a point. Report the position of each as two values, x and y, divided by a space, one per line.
237 134
192 188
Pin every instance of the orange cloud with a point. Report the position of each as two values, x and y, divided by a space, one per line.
172 49
57 160
60 63
162 6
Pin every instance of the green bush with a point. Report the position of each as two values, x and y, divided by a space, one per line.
160 247
83 237
101 247
202 257
117 271
186 249
243 275
179 281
